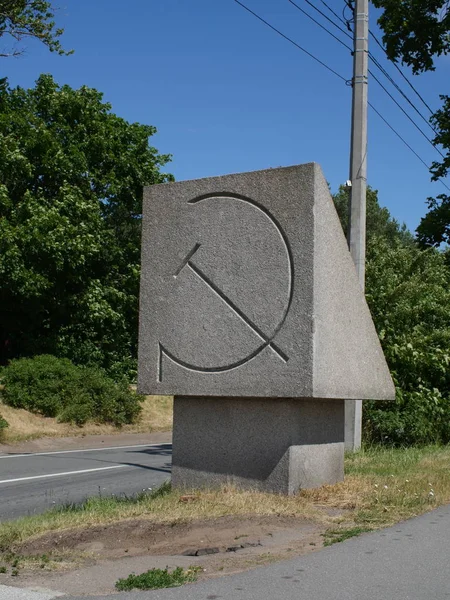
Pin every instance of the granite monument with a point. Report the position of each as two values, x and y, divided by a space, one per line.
251 315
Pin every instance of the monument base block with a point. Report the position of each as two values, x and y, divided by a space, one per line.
271 444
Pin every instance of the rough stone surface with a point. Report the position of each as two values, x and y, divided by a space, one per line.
348 359
248 290
277 445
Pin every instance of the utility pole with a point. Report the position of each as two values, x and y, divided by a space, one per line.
358 178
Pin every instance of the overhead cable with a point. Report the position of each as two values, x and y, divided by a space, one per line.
321 26
340 77
289 39
401 72
323 15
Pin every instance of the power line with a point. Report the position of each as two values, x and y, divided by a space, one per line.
340 77
323 15
379 66
406 114
321 26
405 142
290 40
372 57
397 134
334 13
377 41
399 89
348 4
400 71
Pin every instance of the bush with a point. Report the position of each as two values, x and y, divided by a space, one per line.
3 425
55 387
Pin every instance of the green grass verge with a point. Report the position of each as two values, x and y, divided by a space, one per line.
382 487
155 579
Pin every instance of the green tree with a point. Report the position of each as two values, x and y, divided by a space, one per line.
408 292
71 178
379 222
21 19
415 33
434 228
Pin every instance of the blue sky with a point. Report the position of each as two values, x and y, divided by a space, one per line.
229 95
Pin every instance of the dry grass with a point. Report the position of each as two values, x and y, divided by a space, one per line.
381 487
156 416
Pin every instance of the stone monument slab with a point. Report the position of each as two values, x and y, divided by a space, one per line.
252 316
248 289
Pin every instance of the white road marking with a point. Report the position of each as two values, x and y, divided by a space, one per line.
30 454
64 474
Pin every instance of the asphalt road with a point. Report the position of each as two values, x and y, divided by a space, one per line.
33 483
410 561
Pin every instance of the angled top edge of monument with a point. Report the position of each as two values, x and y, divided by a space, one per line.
310 166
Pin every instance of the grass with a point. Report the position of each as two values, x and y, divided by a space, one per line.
156 415
155 579
333 536
382 487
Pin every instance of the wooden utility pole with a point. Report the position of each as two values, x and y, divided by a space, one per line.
358 178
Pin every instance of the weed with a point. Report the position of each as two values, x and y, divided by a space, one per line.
3 570
333 536
158 578
162 491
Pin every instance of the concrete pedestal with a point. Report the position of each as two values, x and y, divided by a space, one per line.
276 445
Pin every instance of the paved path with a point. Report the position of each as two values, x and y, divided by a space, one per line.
33 483
10 593
410 561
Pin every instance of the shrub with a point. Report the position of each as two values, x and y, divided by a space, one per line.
55 387
3 425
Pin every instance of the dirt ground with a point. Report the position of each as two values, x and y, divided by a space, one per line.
90 561
141 537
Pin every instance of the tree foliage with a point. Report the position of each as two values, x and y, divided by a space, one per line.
379 222
416 32
408 291
71 178
21 19
434 228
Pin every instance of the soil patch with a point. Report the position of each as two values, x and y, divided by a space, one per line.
89 561
139 537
